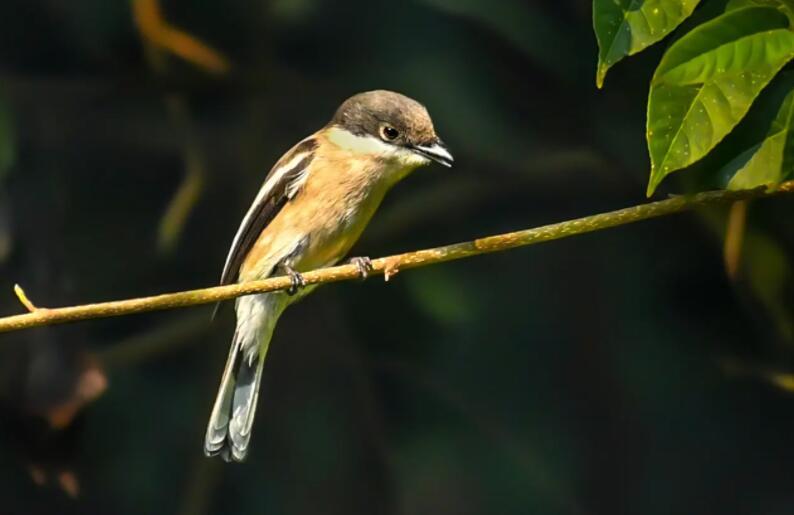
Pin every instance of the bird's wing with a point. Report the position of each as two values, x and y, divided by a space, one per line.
280 186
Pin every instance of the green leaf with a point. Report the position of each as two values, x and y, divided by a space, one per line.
706 82
772 162
625 27
785 6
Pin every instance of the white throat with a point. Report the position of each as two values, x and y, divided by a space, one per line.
371 146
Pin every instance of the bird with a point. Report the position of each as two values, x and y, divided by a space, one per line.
311 208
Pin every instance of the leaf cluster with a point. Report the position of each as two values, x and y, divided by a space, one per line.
706 81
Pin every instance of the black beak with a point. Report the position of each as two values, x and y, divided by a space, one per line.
437 151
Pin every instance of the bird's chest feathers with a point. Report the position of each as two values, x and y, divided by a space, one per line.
335 199
340 201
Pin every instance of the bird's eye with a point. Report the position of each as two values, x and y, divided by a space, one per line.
389 133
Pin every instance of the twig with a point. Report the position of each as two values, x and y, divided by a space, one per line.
152 25
391 264
165 337
191 189
23 298
159 37
734 238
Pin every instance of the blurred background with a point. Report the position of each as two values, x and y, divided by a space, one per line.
625 371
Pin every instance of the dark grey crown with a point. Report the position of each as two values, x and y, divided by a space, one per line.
367 114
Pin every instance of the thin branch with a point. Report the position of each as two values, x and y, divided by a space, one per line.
152 25
734 239
23 298
159 37
163 338
389 266
193 183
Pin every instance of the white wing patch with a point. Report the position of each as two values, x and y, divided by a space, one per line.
296 183
281 185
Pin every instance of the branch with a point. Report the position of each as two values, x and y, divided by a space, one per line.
152 25
388 266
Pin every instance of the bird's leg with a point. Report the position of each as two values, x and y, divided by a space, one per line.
295 278
364 265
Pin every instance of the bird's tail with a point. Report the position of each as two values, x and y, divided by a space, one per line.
229 428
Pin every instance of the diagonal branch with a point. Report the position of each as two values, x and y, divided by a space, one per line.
162 35
388 266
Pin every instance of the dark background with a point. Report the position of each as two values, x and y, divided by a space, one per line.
616 372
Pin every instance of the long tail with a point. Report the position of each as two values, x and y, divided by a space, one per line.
229 429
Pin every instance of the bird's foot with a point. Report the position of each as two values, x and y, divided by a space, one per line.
364 265
296 280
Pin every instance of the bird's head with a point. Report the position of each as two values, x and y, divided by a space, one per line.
392 126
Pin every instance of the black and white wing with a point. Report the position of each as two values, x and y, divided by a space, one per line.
280 186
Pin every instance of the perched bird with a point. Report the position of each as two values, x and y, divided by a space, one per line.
311 209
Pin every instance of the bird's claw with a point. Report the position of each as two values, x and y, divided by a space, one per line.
297 282
364 265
